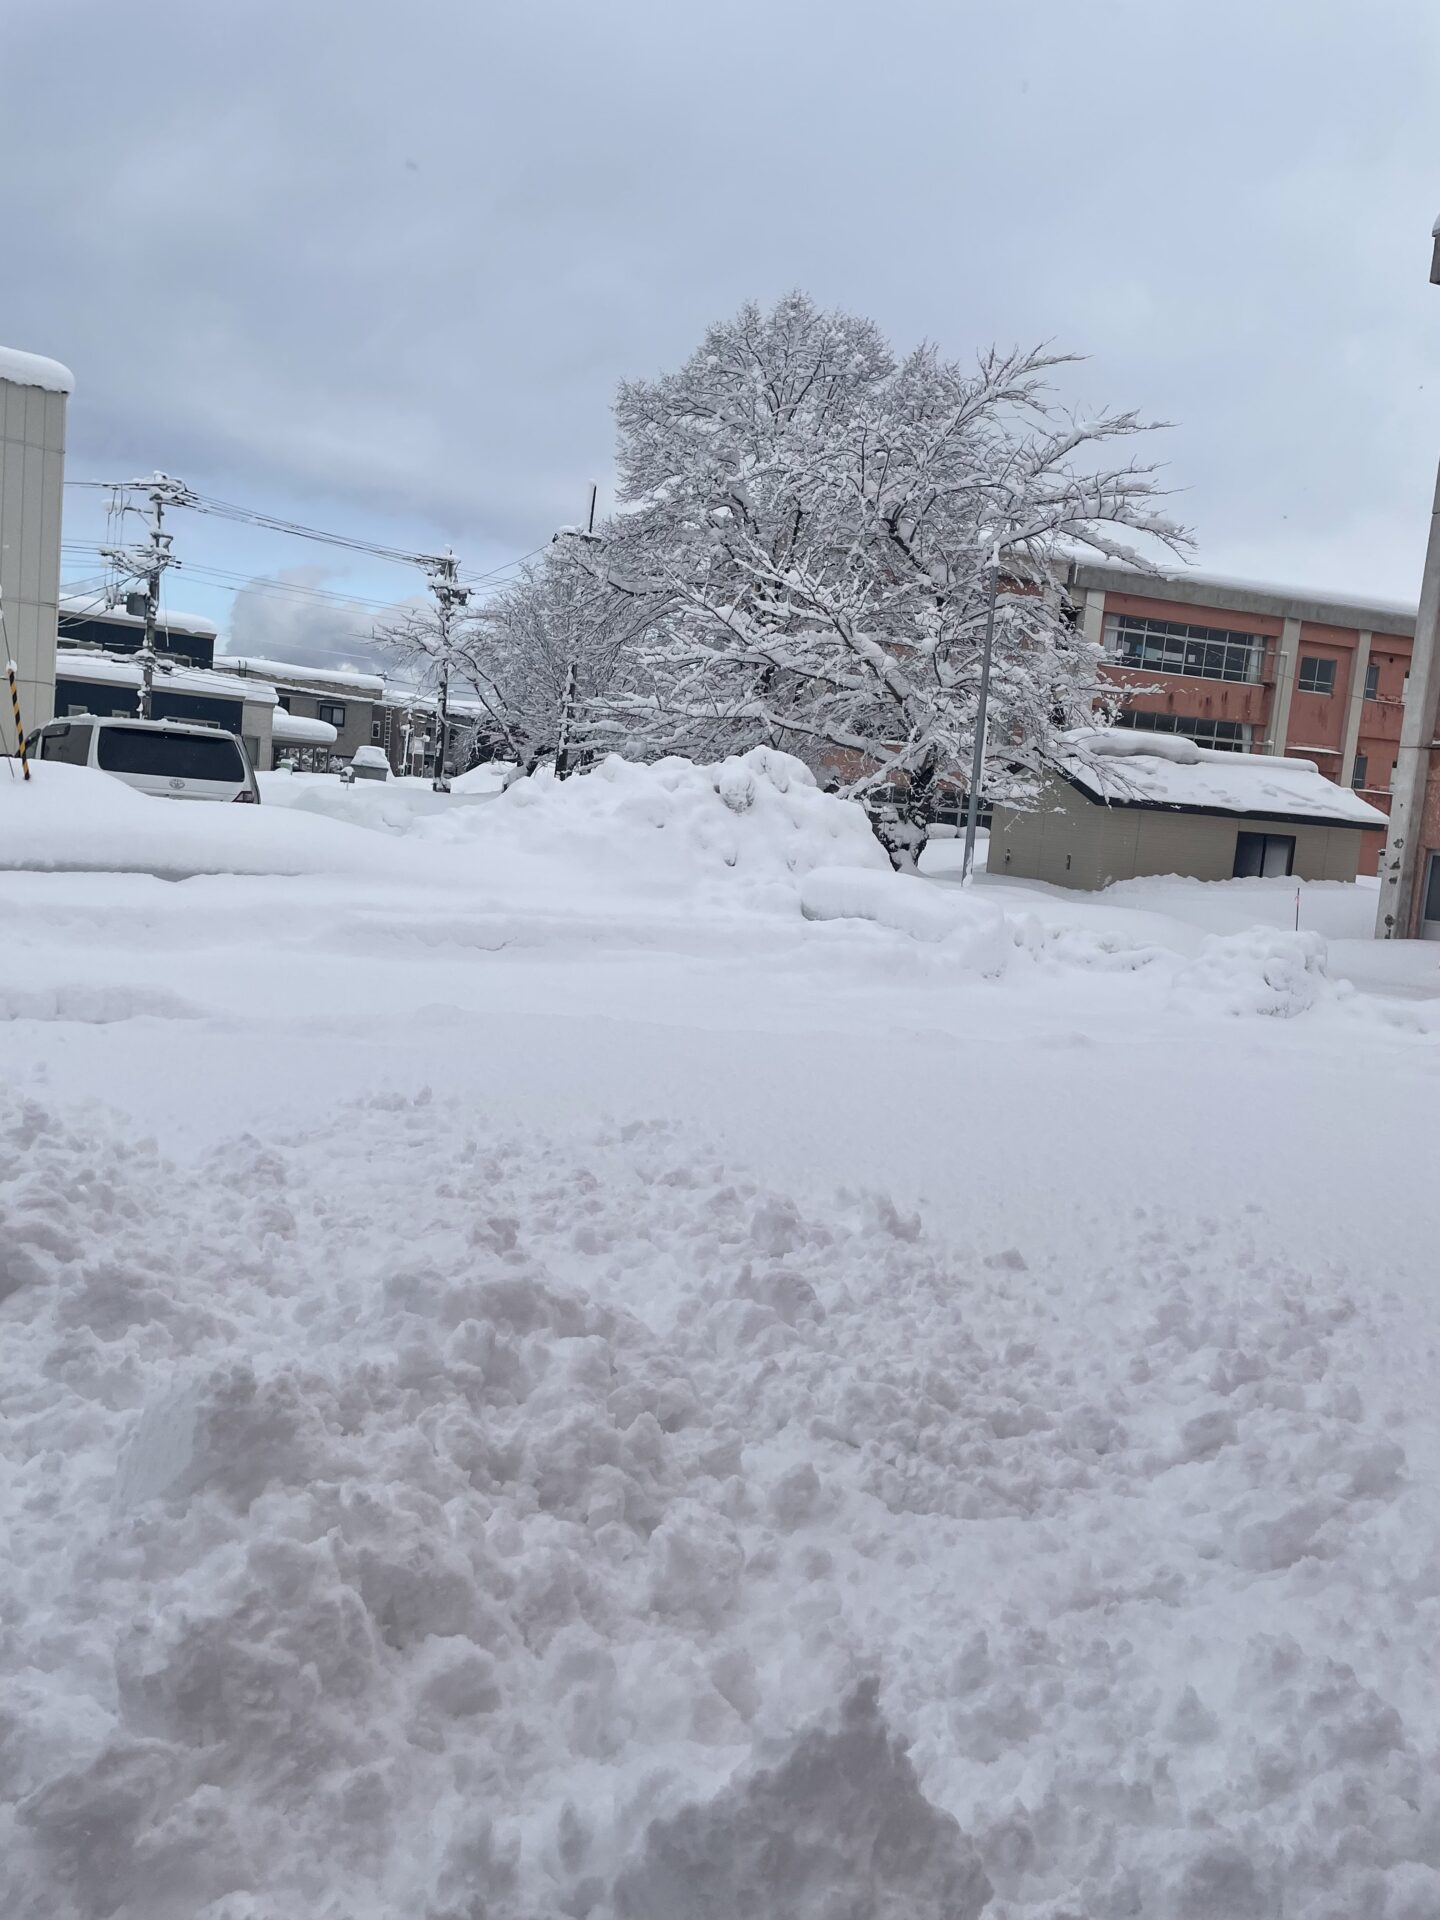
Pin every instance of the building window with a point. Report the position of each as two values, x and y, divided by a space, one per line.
1361 772
374 729
1372 679
1264 856
1170 646
1316 675
282 700
1229 736
1431 909
327 710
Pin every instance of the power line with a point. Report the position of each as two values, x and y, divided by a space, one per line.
275 523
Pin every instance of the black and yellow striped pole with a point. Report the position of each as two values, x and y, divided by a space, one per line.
10 672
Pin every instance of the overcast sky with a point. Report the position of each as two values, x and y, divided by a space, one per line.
379 266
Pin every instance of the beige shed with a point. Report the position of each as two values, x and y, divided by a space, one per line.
1122 804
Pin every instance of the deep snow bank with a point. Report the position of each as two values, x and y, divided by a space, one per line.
406 1519
743 831
386 806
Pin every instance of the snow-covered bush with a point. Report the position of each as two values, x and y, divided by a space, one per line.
1262 971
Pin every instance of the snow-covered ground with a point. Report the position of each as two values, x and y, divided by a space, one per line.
597 1353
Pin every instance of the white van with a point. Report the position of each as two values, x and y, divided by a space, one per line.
175 759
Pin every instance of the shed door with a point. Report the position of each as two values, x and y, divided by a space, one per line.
1267 856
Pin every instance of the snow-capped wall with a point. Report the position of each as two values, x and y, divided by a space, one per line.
34 370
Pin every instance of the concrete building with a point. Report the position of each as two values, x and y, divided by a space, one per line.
350 702
1258 669
87 681
1121 806
33 393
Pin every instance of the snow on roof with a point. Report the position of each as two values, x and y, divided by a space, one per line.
1120 768
1240 583
292 673
106 670
88 606
34 370
295 730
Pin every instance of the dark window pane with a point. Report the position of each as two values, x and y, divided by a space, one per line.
1249 855
170 756
68 744
1279 858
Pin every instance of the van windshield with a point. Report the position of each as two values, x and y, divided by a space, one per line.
170 756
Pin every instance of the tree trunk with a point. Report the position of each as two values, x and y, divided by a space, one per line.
902 837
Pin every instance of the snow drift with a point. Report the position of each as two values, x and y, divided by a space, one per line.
1262 971
743 831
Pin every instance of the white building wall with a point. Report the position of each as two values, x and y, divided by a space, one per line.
33 393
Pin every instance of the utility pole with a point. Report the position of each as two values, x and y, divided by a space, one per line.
148 562
450 602
1403 865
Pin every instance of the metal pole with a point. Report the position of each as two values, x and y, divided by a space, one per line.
982 715
441 782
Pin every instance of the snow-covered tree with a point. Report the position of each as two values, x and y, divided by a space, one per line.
813 525
545 655
542 655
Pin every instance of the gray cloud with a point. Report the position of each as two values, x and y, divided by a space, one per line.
293 617
389 266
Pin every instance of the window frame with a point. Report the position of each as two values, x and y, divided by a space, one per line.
1142 644
1324 668
332 712
1218 736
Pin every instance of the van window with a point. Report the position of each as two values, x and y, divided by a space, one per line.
170 756
68 743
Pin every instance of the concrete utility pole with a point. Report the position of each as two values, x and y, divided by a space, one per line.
450 602
149 562
1400 868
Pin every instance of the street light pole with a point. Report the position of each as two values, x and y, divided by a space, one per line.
1400 866
982 716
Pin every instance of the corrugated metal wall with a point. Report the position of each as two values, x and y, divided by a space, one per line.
32 478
